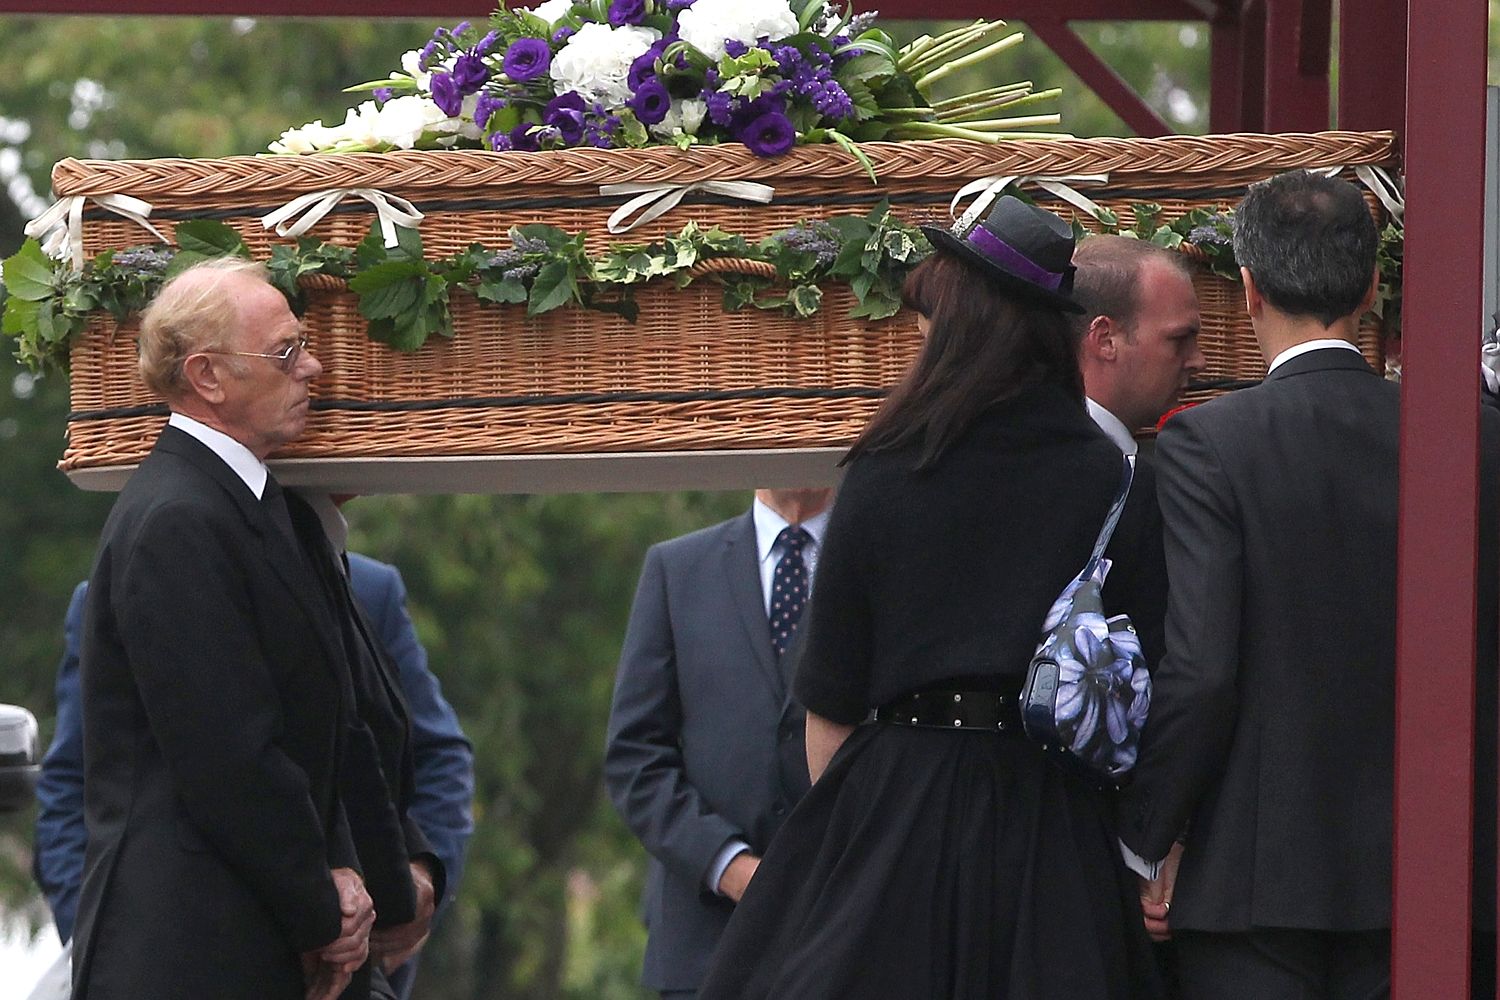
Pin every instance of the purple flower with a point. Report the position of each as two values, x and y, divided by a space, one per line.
567 123
487 43
561 35
446 94
734 48
488 105
382 94
500 142
521 137
679 4
769 135
651 102
527 59
430 51
645 64
571 101
627 12
470 72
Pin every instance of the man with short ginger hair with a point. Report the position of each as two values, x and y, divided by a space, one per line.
215 695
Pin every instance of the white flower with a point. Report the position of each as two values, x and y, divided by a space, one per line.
706 24
308 139
596 60
552 10
403 120
683 118
411 65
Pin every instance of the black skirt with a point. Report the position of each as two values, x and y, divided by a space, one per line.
940 864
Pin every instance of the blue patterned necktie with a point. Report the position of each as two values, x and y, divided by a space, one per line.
788 587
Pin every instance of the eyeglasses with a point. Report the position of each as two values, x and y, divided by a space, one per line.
286 358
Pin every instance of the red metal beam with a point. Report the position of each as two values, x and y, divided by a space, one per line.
1226 83
1372 65
1438 536
1296 73
1252 63
1099 77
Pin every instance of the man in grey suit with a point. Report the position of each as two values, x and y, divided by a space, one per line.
1270 741
704 754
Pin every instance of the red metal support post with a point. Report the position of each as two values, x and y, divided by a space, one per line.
1226 84
1435 656
1097 75
1372 65
1297 39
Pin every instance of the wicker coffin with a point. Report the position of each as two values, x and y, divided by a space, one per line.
686 377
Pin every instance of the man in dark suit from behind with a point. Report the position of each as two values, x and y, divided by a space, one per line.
216 699
704 755
1269 746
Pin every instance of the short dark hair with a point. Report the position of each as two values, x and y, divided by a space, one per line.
1309 242
985 344
1108 279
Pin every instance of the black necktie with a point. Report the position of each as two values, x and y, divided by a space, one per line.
788 587
274 501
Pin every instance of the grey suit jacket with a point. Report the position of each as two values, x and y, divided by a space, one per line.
1272 723
704 744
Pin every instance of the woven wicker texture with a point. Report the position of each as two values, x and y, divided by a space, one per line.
511 384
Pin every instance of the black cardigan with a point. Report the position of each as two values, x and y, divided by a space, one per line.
947 574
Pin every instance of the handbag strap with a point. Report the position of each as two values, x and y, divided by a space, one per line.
1111 520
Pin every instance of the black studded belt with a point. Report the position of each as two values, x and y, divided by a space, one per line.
946 708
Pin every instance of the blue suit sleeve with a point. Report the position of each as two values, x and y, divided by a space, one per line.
443 758
60 831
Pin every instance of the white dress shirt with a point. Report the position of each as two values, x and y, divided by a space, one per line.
1309 345
235 455
1111 425
768 526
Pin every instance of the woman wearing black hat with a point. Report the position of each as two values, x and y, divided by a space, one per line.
940 853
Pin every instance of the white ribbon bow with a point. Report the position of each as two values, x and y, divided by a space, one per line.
60 227
664 197
985 190
1381 184
389 209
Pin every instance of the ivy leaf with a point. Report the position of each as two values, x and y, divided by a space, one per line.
554 286
29 273
387 290
805 299
506 290
20 316
206 238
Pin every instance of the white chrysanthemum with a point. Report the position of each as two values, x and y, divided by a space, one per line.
403 120
706 24
552 10
683 118
596 60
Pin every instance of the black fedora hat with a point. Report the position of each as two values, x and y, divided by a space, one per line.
1027 250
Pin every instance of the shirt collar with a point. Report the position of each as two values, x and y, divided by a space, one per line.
1308 345
1113 427
235 455
335 526
769 524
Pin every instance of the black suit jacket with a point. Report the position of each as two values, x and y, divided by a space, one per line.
704 743
213 700
1272 725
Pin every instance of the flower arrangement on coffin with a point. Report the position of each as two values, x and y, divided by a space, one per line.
632 73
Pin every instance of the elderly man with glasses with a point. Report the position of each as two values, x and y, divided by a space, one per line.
216 691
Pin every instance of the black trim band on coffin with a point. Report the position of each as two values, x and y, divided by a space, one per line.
508 402
692 198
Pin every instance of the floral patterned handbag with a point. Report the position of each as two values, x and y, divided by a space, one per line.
1087 690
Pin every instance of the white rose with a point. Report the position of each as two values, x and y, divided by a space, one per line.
553 10
706 24
596 60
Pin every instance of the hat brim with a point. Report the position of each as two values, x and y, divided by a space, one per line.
945 239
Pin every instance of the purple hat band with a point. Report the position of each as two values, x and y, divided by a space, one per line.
1002 252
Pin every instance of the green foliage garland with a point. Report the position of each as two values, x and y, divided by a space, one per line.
406 297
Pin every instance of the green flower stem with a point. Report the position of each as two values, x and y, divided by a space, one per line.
914 48
992 93
973 111
939 130
921 114
1005 124
1009 41
914 54
950 45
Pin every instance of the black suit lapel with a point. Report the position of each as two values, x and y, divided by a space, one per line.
288 564
741 565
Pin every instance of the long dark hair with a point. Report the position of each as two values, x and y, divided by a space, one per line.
984 345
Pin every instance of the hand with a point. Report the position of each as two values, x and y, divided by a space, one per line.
393 946
324 982
736 878
1156 896
351 948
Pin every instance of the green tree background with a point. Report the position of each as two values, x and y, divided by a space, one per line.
521 600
